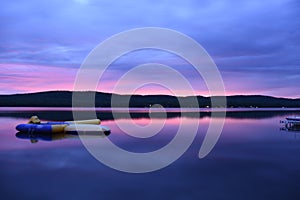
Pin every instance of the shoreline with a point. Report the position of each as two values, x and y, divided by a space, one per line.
158 110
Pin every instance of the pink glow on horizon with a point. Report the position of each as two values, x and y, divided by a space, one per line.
28 78
23 78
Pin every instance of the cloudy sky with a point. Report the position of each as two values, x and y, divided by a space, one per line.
255 44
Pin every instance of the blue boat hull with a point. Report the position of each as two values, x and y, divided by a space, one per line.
42 128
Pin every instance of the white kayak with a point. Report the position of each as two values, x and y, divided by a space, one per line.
86 129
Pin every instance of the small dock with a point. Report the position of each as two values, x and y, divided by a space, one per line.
292 123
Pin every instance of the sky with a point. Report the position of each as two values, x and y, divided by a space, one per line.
255 44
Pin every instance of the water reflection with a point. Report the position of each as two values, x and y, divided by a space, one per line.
291 128
253 159
35 137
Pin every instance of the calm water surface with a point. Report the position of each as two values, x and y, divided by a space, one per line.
253 159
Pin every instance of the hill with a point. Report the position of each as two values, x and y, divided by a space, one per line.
64 99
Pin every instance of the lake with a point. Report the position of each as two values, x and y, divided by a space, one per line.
253 159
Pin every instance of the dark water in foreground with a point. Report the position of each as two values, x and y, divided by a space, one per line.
253 159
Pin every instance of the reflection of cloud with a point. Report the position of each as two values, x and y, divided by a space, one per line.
257 158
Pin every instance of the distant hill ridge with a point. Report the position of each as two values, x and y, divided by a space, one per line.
64 99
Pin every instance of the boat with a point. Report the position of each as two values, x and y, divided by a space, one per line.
34 125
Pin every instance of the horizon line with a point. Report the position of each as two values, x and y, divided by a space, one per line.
44 91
